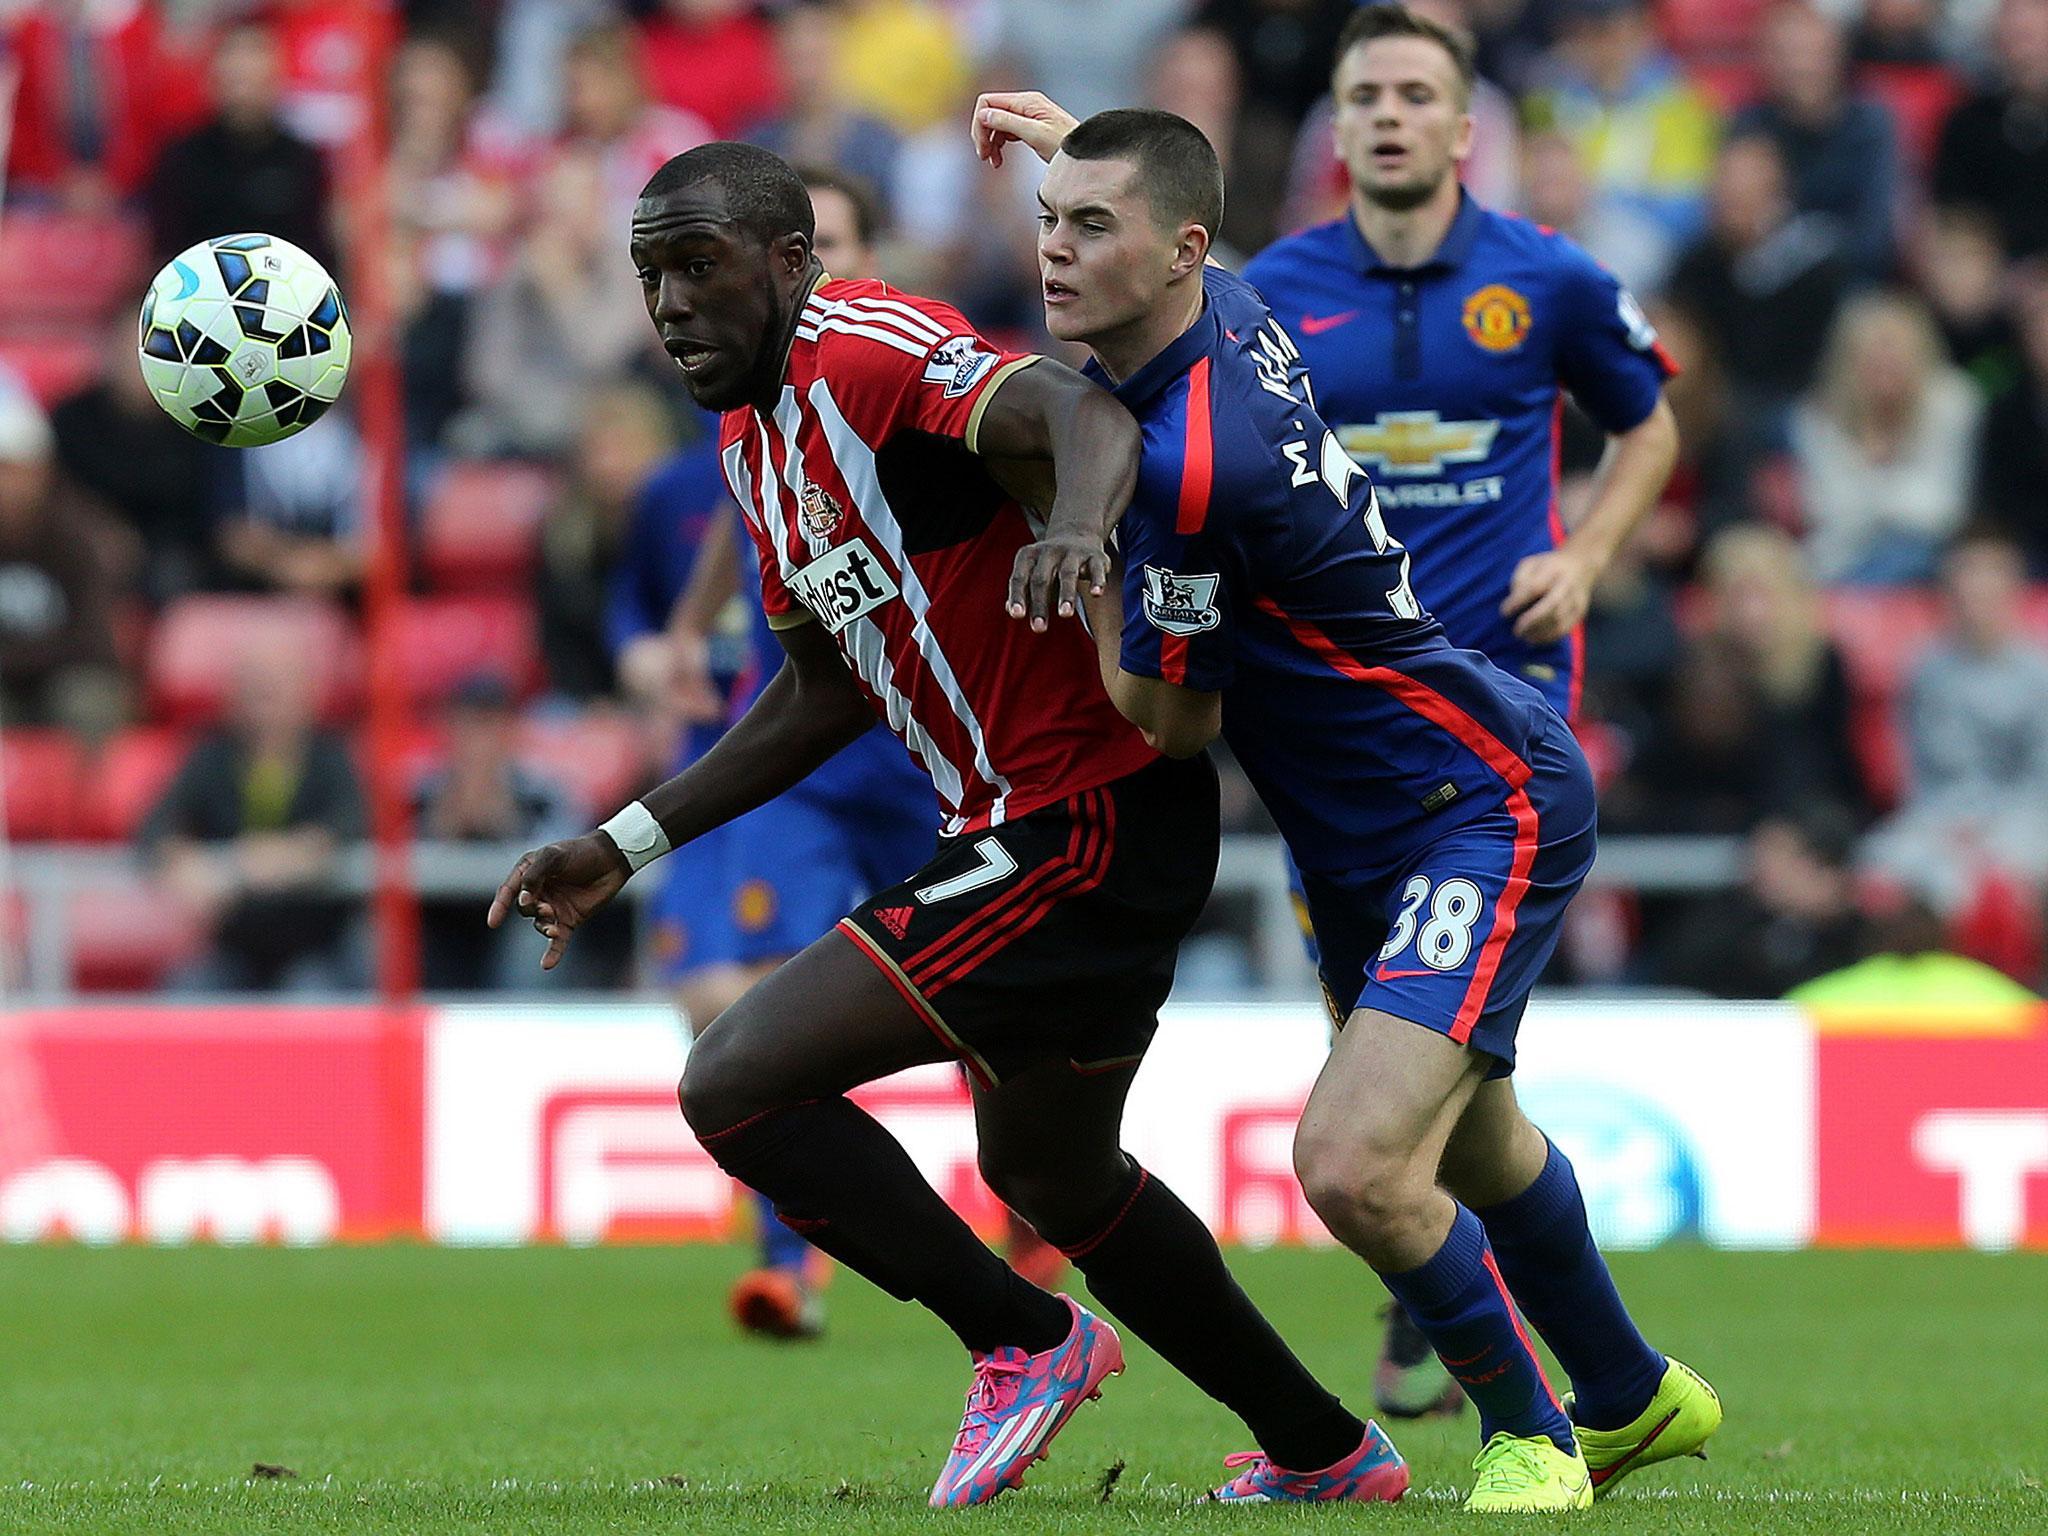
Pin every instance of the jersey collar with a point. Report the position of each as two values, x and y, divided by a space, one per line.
1451 255
1181 354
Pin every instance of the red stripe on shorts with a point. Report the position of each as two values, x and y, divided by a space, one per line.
1085 876
934 953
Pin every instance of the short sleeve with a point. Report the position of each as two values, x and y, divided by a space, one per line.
1179 602
1608 353
783 610
909 366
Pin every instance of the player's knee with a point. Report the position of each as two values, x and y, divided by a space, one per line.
1053 1198
1013 1186
1360 1191
718 1090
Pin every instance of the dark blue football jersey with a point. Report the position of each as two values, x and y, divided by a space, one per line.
1257 563
1445 382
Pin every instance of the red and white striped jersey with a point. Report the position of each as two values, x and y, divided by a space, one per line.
875 518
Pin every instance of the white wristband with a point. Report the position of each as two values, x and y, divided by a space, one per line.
638 835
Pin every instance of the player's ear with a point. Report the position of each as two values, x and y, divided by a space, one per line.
1192 250
792 253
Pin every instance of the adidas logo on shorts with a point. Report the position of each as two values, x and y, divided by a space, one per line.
895 919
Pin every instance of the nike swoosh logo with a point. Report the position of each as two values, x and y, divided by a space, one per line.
1383 974
1642 1445
188 278
1315 325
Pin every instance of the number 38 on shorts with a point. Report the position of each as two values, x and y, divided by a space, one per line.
1435 923
1455 940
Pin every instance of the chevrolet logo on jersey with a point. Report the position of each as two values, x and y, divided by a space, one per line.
843 585
1417 442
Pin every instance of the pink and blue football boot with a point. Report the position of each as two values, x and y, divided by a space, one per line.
1374 1473
1018 1403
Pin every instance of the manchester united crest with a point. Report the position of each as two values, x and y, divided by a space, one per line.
1497 318
822 512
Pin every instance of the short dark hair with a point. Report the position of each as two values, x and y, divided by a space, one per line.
1370 23
1177 165
868 222
765 197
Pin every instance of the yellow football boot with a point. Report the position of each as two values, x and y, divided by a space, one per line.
1680 1420
1528 1476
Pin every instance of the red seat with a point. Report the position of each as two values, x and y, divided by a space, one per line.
129 778
2034 610
39 774
1881 632
598 757
52 366
481 526
68 266
1921 97
1728 84
195 648
1606 749
129 937
422 748
442 640
1709 29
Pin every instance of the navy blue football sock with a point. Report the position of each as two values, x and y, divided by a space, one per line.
780 1247
1458 1301
1547 1256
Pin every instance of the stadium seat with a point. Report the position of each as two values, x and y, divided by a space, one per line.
596 756
2034 611
1921 97
1881 632
128 778
39 776
67 266
194 649
53 365
481 527
422 747
442 640
1699 31
1729 84
1606 749
129 937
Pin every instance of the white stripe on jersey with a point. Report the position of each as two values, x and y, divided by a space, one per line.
741 484
855 461
809 330
863 642
914 321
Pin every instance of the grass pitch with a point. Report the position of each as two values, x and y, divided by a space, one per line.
558 1391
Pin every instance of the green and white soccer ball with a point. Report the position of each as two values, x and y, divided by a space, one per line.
244 340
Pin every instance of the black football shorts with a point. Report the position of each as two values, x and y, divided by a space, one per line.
1053 936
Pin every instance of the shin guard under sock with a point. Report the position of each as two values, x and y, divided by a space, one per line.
1154 1265
847 1185
1458 1300
1556 1275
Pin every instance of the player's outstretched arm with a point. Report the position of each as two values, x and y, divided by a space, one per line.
1049 412
809 711
1030 118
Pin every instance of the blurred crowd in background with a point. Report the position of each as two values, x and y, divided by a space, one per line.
1825 641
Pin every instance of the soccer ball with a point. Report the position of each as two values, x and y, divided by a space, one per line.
244 340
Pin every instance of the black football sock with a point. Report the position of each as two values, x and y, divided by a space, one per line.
1152 1263
846 1184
